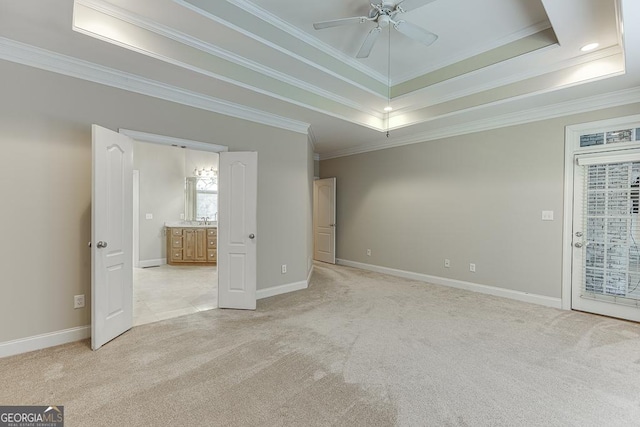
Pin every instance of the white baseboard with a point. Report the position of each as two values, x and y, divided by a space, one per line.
152 262
475 287
309 276
281 289
38 342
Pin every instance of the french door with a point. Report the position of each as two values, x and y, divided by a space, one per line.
111 236
606 234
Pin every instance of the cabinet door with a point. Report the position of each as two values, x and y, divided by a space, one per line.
189 245
201 244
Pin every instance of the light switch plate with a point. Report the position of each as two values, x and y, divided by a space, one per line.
547 215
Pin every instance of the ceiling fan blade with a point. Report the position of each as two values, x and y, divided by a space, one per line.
338 22
365 50
408 5
413 31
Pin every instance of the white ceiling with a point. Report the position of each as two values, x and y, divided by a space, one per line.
496 61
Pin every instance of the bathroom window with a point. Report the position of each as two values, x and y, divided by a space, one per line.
201 198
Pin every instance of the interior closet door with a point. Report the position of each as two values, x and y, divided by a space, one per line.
606 235
324 220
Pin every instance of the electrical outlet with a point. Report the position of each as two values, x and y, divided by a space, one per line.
447 263
78 301
148 216
181 216
368 252
284 268
472 267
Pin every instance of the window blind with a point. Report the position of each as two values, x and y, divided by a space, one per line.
611 266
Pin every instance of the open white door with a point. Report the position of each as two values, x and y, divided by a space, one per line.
111 236
324 220
606 235
237 234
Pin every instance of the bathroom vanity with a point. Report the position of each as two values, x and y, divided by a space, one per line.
192 244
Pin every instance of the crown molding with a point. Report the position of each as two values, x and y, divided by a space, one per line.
33 56
312 138
180 37
294 31
468 53
559 66
172 141
186 4
582 105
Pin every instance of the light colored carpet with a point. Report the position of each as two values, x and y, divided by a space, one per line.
356 349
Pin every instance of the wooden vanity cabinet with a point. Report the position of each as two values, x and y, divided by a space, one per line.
192 245
212 245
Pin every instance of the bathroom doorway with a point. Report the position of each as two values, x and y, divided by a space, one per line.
175 192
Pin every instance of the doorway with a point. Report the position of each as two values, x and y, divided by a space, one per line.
175 191
602 219
112 229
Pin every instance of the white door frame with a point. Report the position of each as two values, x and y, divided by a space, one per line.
571 149
166 140
162 140
136 218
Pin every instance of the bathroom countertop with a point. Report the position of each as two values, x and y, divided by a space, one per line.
191 224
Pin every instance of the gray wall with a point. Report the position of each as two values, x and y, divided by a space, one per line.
45 185
162 174
475 198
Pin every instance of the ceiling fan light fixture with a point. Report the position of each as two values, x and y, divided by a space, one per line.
589 47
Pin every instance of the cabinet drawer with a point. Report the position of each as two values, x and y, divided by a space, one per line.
212 242
212 232
176 231
212 255
176 255
176 242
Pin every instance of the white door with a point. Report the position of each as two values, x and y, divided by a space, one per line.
111 236
237 229
606 235
324 220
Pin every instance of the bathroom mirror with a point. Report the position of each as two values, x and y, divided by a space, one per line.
201 198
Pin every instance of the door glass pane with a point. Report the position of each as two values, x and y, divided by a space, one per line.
612 255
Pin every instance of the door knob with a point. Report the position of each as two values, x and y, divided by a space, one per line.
252 236
102 244
578 244
332 225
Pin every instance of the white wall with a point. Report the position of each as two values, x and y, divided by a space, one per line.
162 174
45 188
474 198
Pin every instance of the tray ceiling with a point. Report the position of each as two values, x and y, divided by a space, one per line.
265 56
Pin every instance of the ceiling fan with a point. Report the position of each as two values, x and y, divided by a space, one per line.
384 14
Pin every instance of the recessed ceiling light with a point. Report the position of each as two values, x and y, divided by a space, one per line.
588 47
388 108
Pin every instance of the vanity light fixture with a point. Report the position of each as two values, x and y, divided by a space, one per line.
589 47
205 172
